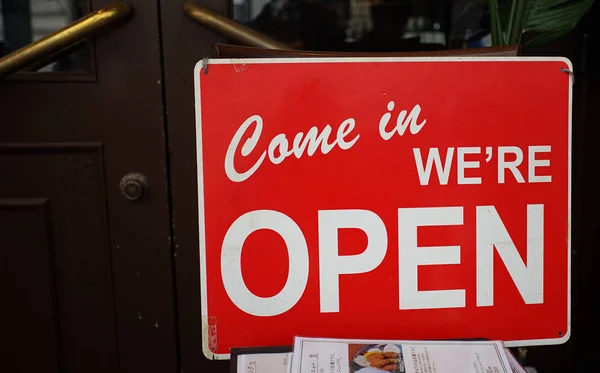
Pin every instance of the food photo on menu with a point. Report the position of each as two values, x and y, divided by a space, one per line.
376 358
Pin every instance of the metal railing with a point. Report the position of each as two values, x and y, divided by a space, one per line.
227 27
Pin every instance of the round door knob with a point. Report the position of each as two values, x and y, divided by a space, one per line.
132 185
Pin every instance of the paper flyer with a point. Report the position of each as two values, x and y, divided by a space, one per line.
264 363
313 355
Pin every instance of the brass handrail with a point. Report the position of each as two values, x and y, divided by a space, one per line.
63 39
224 26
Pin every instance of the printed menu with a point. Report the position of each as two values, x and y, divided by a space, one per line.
313 355
264 363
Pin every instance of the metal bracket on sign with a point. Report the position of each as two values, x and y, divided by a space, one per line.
205 65
562 69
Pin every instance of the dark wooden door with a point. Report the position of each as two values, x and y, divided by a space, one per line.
86 273
185 43
95 282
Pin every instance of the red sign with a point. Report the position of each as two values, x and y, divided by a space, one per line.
384 199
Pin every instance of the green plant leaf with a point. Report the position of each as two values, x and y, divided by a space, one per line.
495 24
563 17
544 4
549 19
516 21
547 37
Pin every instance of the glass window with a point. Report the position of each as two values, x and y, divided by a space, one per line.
368 25
25 21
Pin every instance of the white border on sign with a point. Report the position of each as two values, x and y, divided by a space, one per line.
251 61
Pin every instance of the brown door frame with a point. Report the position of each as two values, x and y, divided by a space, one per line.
184 43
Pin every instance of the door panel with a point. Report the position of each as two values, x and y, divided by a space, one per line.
31 287
69 142
57 253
